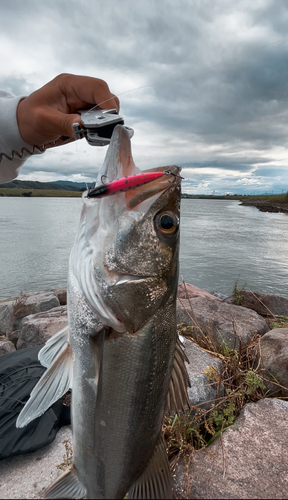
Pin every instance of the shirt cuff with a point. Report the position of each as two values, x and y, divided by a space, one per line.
11 141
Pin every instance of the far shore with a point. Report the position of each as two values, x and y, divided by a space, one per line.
267 205
264 203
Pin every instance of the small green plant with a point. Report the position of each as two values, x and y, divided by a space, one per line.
238 292
224 416
227 352
186 330
281 322
212 373
254 382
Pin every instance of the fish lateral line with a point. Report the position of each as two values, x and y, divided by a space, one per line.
124 184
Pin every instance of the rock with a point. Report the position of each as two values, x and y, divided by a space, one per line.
190 291
220 321
62 295
264 304
220 295
26 476
36 329
12 311
202 389
13 337
6 346
250 461
6 309
274 357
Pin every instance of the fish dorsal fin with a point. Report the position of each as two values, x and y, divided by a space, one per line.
55 382
156 480
53 347
177 397
66 486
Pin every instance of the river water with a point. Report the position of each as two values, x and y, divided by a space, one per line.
220 240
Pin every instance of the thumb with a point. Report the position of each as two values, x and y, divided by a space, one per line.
66 124
55 123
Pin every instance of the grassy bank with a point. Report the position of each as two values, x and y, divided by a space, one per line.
276 198
273 198
39 193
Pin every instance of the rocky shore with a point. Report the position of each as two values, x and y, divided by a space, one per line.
266 205
249 459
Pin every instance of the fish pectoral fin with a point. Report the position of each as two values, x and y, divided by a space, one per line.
177 397
53 347
66 486
156 480
53 384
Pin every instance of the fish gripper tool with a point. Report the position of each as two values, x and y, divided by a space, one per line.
97 126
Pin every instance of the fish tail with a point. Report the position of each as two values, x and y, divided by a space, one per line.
66 486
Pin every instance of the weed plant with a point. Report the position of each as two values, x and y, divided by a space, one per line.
238 292
243 381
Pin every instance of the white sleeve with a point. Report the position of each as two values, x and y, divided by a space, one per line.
10 138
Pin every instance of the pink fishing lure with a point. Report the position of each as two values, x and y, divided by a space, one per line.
123 184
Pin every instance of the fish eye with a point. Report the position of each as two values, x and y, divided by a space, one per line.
167 223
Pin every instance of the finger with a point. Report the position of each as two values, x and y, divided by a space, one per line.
84 91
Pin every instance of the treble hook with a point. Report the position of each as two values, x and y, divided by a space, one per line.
169 172
102 176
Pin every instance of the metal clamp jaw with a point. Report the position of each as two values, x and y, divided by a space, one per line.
98 125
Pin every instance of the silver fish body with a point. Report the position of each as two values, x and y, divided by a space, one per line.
125 362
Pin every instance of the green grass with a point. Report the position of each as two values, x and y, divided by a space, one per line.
276 198
39 193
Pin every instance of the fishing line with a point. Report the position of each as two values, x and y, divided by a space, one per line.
78 154
121 93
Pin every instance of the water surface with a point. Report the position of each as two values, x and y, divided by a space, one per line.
219 240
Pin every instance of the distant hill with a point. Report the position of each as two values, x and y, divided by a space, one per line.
58 185
79 185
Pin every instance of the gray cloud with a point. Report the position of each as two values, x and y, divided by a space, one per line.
204 84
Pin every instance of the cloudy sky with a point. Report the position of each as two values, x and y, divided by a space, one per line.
204 83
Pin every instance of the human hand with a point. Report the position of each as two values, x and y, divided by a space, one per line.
48 113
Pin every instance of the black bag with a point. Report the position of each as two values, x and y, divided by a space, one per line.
19 373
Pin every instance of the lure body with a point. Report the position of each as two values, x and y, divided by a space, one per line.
123 184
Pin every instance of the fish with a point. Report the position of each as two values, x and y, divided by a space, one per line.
120 353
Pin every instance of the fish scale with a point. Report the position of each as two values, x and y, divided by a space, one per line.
138 400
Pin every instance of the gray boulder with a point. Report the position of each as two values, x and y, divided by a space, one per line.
203 391
36 329
187 290
6 346
220 321
12 311
250 461
274 358
61 293
263 303
6 309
